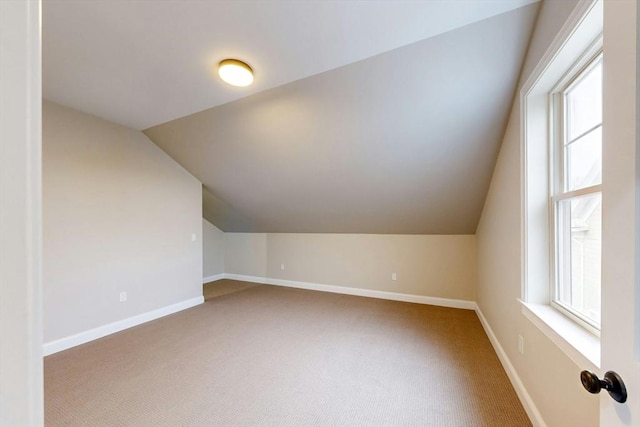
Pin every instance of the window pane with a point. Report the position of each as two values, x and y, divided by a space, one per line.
584 161
579 255
584 102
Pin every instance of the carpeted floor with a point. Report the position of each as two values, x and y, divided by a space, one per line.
273 356
223 287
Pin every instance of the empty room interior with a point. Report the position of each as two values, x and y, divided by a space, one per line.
324 213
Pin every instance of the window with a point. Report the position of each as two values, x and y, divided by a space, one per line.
576 193
561 119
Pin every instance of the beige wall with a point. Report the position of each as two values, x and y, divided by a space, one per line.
118 216
212 250
434 266
564 403
246 254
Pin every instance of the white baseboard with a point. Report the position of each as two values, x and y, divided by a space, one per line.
102 331
525 398
213 278
394 296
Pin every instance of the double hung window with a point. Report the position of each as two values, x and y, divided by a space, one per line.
576 193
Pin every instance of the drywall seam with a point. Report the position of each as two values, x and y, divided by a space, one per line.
213 278
102 331
521 391
394 296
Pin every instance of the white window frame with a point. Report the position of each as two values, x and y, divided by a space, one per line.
558 186
581 31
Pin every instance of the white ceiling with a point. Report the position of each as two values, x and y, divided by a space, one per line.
402 142
365 116
142 63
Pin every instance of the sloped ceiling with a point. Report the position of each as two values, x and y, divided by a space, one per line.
144 62
365 116
402 142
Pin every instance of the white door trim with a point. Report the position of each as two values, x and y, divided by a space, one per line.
21 385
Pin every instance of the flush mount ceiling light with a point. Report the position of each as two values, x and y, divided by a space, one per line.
235 72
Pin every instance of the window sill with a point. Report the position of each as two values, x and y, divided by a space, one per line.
582 347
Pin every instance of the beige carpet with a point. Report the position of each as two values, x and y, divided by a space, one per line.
224 287
272 356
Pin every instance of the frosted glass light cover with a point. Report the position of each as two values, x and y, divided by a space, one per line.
235 72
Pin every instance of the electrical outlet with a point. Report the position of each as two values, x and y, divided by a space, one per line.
520 344
123 296
394 276
281 266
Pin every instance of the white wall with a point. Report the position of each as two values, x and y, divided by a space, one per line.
118 216
434 266
549 376
212 250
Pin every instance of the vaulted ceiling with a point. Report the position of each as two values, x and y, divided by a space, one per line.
365 117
